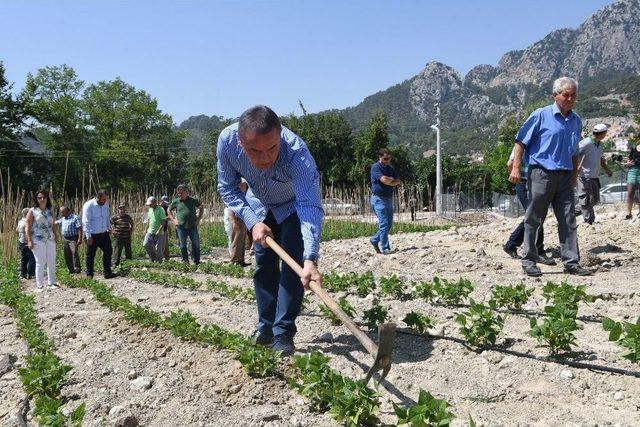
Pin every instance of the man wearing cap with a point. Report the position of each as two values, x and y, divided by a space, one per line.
154 240
550 139
591 150
122 226
283 201
71 230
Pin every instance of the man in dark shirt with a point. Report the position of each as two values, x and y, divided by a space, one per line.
186 222
122 225
383 179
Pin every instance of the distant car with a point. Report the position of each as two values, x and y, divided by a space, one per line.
338 207
613 193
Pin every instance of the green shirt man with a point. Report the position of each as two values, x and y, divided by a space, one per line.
185 208
156 219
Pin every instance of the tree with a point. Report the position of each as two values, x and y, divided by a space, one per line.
134 141
367 145
52 98
16 160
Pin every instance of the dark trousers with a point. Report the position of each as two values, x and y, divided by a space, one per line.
517 236
27 261
192 234
71 255
122 242
279 293
555 188
102 241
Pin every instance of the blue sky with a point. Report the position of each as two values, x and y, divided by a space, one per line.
220 57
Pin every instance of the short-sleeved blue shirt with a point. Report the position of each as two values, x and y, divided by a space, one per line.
377 187
551 139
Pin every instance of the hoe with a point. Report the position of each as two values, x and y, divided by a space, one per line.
381 353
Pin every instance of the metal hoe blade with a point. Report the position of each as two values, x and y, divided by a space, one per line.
382 362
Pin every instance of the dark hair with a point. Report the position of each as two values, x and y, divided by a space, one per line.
35 199
102 192
259 119
384 152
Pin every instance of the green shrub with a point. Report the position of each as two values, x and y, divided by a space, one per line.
627 335
428 412
419 322
479 325
376 315
512 297
392 286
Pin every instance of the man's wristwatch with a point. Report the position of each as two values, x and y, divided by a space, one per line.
313 259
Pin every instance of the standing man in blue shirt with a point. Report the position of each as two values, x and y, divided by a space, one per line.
383 179
283 201
550 137
590 150
96 227
71 231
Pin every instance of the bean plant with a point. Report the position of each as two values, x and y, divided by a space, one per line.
557 329
511 297
344 305
392 286
565 294
376 315
428 412
421 323
627 335
452 293
480 325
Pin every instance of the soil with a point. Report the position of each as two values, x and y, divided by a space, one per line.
516 384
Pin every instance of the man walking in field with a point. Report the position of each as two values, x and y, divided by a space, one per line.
283 201
186 222
591 149
383 179
550 136
96 227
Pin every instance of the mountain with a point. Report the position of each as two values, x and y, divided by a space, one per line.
603 54
196 129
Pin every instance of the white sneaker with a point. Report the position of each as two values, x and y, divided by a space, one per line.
54 286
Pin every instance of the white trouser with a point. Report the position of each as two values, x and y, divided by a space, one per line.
45 254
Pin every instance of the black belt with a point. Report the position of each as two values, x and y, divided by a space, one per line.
72 237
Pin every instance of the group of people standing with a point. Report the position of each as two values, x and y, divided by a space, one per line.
39 233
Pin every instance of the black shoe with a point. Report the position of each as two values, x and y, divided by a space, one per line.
532 271
511 251
262 338
284 344
628 216
375 246
89 276
546 260
109 275
577 270
577 213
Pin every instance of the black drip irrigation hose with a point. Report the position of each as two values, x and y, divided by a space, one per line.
547 359
23 409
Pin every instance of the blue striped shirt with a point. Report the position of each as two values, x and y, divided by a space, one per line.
291 185
95 218
69 226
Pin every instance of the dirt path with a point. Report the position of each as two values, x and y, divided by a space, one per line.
13 349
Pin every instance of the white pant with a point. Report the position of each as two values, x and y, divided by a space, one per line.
45 254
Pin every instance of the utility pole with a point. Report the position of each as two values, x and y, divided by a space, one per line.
436 127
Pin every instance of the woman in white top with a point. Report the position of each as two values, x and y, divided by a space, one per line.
42 237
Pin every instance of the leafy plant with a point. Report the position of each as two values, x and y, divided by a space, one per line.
479 325
344 305
452 293
428 412
257 360
392 286
366 284
183 325
376 315
419 322
512 297
340 282
349 401
424 290
557 328
627 335
565 294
